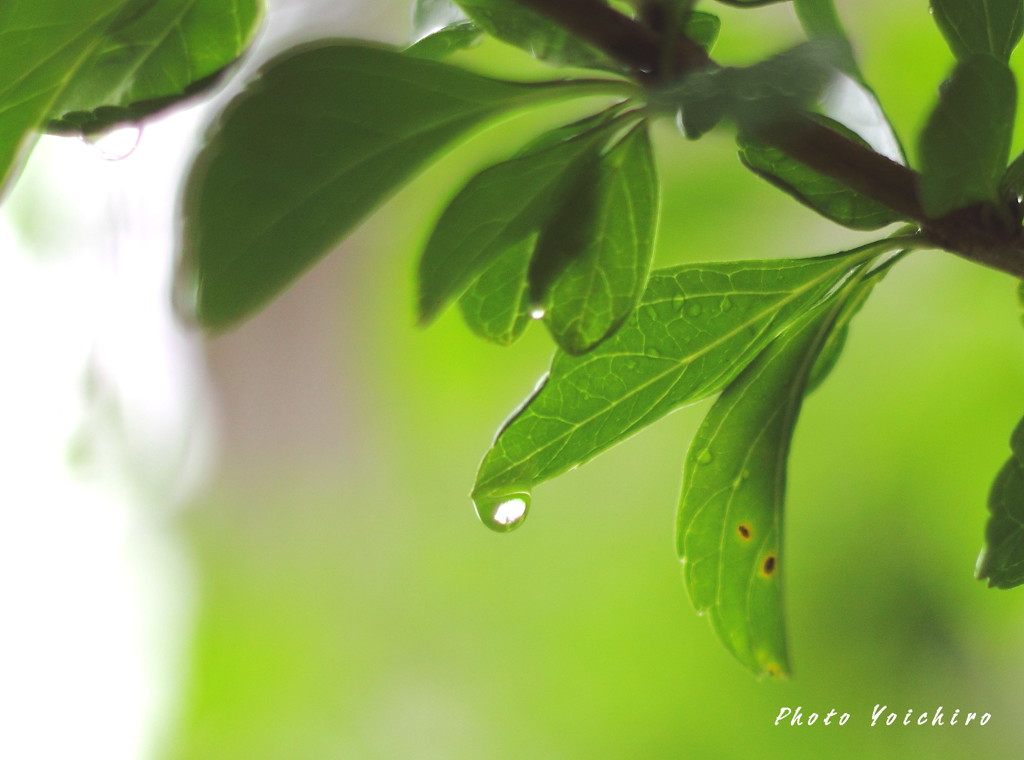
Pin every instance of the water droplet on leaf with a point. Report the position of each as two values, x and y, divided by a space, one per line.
705 456
537 313
693 309
503 513
115 144
726 304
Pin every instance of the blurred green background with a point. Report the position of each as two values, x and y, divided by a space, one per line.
351 605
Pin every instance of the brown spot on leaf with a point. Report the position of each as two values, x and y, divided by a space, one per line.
744 531
769 565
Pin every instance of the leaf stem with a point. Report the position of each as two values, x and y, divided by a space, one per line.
597 86
983 234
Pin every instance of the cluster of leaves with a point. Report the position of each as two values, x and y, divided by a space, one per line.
561 231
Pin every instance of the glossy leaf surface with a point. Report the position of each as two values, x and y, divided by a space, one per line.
431 16
439 28
317 142
497 209
608 245
446 41
835 342
729 533
849 99
825 195
517 25
497 305
697 326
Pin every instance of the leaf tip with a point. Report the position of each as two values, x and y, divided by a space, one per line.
431 299
425 314
776 672
573 343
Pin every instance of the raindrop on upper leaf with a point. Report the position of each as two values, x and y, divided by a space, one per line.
115 144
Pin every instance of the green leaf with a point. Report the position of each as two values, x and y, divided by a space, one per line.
830 198
769 91
498 208
1012 181
543 39
153 59
497 305
966 143
42 43
446 41
774 88
322 137
608 251
1002 560
828 358
729 532
849 99
980 26
749 3
830 352
439 28
697 326
431 16
703 28
677 17
834 344
820 20
703 100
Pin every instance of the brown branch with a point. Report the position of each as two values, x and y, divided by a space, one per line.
975 233
620 37
856 166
